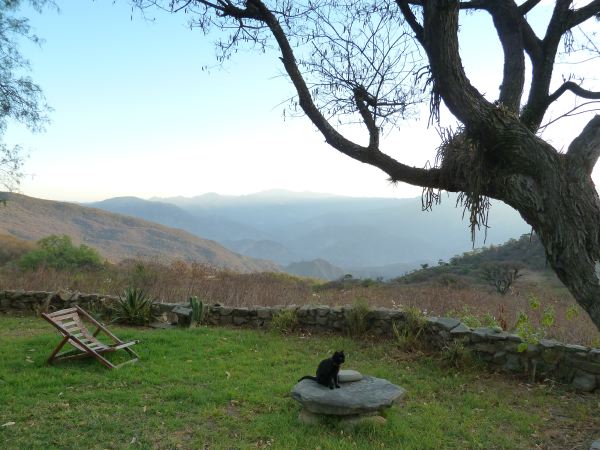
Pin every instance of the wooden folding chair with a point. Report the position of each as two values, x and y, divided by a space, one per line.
70 325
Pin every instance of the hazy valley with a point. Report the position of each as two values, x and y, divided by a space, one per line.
325 235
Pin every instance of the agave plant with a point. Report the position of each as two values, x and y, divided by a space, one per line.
134 307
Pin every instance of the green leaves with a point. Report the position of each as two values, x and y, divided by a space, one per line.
134 308
58 252
527 330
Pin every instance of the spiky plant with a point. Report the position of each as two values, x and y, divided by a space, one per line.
198 311
134 307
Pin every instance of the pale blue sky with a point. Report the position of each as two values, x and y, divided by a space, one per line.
134 114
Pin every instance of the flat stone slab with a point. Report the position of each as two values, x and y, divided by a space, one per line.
361 397
595 445
347 375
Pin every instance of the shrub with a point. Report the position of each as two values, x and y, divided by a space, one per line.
408 331
457 355
356 318
470 319
451 281
285 321
525 327
58 252
134 307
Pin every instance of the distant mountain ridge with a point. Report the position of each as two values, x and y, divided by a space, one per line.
116 236
357 235
319 268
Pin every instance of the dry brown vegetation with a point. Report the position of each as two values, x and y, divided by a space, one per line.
179 280
114 236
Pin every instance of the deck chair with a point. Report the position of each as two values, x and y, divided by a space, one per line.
70 325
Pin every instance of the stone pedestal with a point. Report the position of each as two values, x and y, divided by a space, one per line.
345 422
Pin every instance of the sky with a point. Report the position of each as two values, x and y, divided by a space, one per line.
136 114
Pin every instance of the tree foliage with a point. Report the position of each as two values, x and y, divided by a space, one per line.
21 100
58 252
372 62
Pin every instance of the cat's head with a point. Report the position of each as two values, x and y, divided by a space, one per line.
338 357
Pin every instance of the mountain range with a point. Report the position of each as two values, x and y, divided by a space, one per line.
310 234
116 236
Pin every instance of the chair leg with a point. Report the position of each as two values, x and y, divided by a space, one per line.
105 362
57 349
131 352
126 362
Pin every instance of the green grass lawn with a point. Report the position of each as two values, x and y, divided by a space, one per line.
215 388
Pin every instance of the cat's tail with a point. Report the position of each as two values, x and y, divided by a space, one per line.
307 377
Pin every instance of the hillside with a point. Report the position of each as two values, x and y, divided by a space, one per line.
379 236
319 268
203 224
115 236
526 253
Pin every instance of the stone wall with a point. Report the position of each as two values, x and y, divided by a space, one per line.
574 364
22 302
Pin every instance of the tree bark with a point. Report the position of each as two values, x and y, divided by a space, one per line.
566 217
562 205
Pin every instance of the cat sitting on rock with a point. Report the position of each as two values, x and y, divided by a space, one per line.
328 371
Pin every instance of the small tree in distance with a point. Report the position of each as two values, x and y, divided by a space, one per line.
371 63
500 275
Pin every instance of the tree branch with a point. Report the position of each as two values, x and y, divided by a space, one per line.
361 98
507 20
575 89
543 66
440 41
578 16
411 19
373 156
584 151
528 5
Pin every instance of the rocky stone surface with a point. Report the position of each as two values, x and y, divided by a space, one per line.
361 397
344 422
348 375
584 382
595 445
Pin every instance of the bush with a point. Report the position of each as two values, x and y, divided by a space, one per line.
134 307
285 321
58 252
408 331
472 320
356 318
456 355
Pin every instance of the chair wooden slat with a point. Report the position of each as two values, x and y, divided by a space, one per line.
70 324
61 312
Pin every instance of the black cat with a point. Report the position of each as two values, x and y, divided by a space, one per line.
328 370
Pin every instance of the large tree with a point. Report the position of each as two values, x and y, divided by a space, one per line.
21 100
372 62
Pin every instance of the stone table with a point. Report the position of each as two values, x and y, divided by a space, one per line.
355 402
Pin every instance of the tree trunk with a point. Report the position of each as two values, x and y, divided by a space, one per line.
563 207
